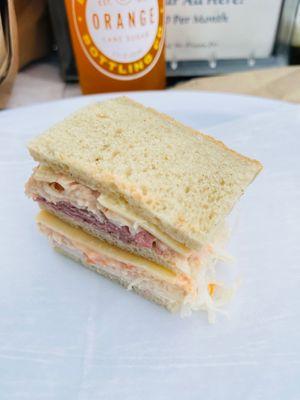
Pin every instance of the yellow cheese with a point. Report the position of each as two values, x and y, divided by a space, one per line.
123 209
97 245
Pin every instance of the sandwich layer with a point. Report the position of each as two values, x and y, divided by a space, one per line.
181 181
145 247
107 219
149 279
172 290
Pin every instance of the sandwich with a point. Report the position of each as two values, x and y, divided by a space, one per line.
140 198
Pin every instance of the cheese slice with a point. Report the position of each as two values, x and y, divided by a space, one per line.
114 204
76 234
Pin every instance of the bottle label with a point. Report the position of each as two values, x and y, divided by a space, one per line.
123 39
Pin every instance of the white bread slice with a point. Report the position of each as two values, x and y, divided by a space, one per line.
179 179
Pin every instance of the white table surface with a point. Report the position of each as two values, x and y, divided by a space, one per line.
66 333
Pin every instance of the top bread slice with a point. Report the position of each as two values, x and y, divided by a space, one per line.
177 178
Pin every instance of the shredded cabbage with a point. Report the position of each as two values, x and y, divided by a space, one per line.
207 275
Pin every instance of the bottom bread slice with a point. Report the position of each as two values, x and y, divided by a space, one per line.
175 291
151 280
164 295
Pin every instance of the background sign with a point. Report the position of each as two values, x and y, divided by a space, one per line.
221 29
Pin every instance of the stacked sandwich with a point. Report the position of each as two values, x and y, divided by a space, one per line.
140 199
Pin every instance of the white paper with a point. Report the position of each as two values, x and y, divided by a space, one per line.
221 29
67 333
